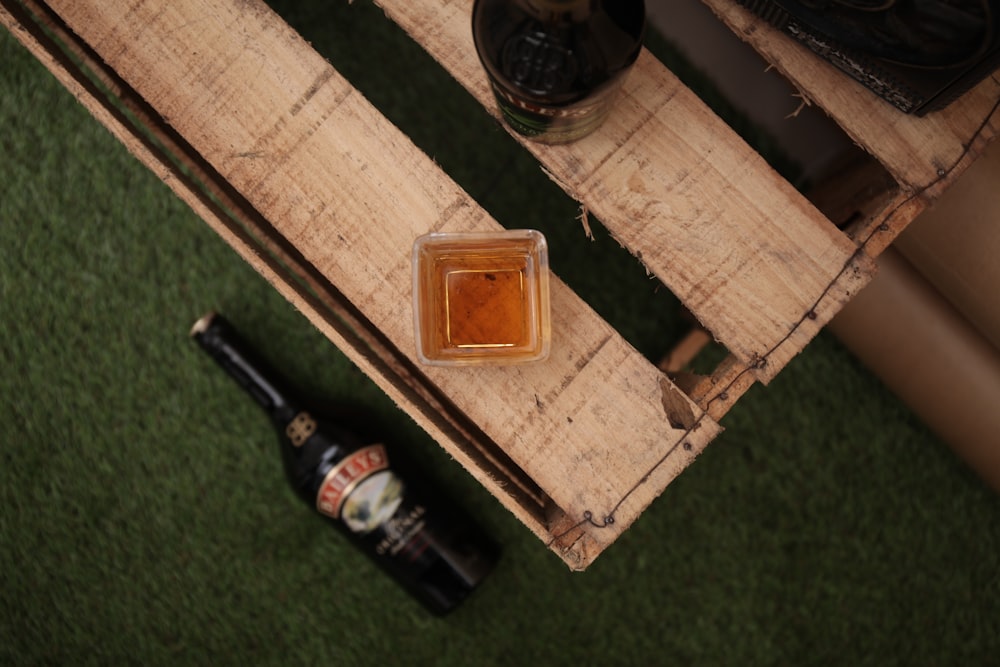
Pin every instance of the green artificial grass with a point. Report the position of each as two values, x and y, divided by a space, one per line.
145 519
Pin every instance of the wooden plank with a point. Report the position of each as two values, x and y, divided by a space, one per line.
921 153
75 65
757 264
598 428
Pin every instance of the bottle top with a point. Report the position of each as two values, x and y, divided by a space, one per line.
216 336
201 326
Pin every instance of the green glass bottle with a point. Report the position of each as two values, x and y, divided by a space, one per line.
555 66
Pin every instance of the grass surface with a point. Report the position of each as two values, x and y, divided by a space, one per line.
144 517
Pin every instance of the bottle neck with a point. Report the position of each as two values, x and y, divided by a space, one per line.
216 336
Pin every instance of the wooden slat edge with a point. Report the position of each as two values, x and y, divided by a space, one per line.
317 302
745 252
915 150
586 425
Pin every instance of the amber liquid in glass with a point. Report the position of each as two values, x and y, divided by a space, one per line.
486 306
481 299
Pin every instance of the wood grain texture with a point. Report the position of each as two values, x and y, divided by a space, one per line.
754 261
351 193
919 152
248 234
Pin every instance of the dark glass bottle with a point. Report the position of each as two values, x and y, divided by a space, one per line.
425 543
555 66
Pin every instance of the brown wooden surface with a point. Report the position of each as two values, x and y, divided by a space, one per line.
755 262
597 428
921 153
328 197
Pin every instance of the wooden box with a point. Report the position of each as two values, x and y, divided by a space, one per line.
316 189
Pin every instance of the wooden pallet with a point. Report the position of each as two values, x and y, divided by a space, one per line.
310 183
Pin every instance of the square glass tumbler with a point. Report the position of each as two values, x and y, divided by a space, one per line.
481 297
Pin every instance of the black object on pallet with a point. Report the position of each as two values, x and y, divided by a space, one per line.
919 55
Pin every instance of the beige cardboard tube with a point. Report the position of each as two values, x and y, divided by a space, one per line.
930 356
956 244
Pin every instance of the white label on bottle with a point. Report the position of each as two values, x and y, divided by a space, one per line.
361 491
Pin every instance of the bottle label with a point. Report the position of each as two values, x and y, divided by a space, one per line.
361 491
538 63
